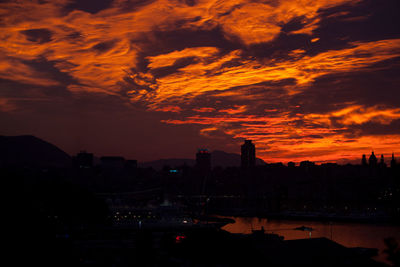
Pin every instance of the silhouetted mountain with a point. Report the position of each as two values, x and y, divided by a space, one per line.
224 159
218 158
30 151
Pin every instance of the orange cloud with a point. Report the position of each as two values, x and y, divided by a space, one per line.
174 109
204 109
169 59
10 68
357 114
98 49
237 109
280 138
206 131
195 79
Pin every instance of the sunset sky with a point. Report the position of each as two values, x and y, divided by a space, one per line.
316 80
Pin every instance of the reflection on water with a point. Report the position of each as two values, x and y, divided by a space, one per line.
347 234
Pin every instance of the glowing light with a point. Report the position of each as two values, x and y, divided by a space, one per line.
179 238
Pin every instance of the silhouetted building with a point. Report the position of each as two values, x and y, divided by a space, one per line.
203 160
364 160
112 162
291 164
373 161
307 164
382 162
131 164
248 154
393 162
83 160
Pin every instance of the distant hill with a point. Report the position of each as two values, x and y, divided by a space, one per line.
218 158
30 151
224 159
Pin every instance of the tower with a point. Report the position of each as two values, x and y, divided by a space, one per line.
364 160
382 162
372 160
393 162
248 154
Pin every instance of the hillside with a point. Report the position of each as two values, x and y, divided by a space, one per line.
30 151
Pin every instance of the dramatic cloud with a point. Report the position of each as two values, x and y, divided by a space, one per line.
309 79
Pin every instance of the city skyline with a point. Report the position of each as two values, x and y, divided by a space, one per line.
146 80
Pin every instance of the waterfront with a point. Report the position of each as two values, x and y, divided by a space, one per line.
346 234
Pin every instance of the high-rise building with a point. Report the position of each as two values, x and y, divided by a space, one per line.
248 154
373 161
364 160
382 162
393 161
203 159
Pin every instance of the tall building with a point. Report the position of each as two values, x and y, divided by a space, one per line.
393 162
248 154
203 159
373 161
364 160
382 162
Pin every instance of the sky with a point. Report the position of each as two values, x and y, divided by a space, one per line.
150 79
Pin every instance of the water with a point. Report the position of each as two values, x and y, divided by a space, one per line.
346 234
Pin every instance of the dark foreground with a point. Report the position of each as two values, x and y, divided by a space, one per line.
192 246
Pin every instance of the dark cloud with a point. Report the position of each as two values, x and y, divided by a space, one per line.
189 2
180 63
374 128
90 6
368 21
43 66
162 42
280 47
295 24
338 28
103 47
132 5
39 36
371 86
75 36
